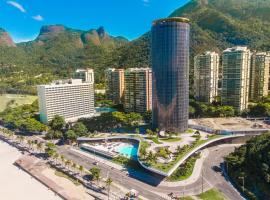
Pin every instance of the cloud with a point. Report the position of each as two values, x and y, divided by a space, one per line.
38 18
146 2
17 5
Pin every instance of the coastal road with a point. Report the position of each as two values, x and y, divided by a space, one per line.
211 176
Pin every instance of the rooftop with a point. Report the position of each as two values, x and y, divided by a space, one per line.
138 69
236 49
172 19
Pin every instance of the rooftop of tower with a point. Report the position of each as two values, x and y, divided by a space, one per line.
172 19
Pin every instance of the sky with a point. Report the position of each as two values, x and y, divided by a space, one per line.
128 18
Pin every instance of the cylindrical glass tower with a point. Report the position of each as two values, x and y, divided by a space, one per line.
170 62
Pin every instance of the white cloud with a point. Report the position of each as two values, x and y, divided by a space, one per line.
146 2
17 5
38 18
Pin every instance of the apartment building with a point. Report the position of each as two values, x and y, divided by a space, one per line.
236 77
259 75
115 84
138 90
87 75
206 76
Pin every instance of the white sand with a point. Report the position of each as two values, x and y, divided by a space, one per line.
16 184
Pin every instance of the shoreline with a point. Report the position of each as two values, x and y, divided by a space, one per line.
13 179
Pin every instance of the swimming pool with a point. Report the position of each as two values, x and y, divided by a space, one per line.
129 151
105 109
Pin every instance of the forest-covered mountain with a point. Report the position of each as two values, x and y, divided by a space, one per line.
215 25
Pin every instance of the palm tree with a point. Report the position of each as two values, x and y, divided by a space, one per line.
55 156
178 149
29 142
81 169
62 159
74 166
68 163
108 184
21 139
40 147
154 158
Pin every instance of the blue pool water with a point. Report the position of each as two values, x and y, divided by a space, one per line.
105 109
129 151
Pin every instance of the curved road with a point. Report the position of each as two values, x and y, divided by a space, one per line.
211 176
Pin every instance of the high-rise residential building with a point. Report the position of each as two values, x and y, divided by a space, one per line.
71 99
170 64
236 77
115 84
206 75
259 75
87 75
138 90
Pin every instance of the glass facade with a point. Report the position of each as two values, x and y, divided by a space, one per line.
170 62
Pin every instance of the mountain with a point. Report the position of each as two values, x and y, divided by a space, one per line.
5 39
55 53
215 25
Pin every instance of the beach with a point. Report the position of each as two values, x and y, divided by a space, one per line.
15 184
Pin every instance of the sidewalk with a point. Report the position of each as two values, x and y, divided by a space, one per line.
196 174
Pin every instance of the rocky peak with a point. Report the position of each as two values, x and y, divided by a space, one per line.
51 30
5 39
101 32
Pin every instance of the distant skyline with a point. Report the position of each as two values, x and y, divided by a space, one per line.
129 18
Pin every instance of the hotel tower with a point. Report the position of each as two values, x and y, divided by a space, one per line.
170 64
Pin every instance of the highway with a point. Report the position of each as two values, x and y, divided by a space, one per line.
211 176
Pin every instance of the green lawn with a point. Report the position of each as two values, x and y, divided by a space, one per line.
166 167
186 198
184 171
170 139
5 99
61 174
212 194
155 140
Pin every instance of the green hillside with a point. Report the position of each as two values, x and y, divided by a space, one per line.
215 25
58 50
55 53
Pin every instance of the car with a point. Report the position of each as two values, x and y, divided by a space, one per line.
95 163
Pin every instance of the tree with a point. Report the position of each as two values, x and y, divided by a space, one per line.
260 110
81 169
40 146
191 111
54 134
71 135
137 131
132 119
50 149
95 172
150 132
62 159
108 184
80 129
57 123
147 116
